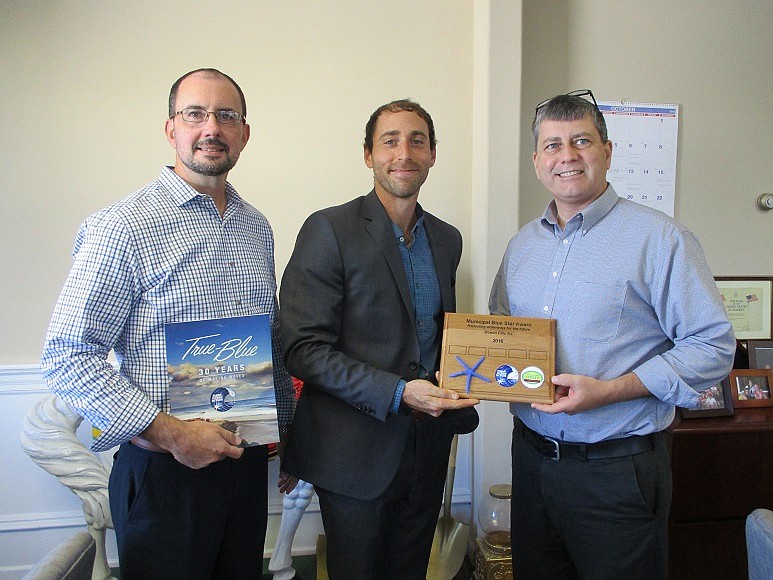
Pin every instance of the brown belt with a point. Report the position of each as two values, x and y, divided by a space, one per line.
148 445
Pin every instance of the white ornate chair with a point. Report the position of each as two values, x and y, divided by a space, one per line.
48 437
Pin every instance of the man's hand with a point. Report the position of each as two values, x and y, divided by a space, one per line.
424 396
193 443
578 393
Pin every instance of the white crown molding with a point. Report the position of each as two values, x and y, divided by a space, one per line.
42 521
22 379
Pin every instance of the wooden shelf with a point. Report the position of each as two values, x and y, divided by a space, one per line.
745 419
722 471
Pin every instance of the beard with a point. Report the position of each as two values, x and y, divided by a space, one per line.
401 188
209 167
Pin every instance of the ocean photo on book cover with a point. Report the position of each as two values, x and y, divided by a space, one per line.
221 370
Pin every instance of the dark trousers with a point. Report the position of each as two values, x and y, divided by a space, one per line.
175 522
590 519
390 537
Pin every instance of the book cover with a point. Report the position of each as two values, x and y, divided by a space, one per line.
221 370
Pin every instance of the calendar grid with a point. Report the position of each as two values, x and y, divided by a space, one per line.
644 148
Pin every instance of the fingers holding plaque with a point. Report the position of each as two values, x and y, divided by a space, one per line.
499 358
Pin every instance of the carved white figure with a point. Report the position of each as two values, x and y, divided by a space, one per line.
294 505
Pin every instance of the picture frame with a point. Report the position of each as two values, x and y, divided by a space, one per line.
760 354
716 401
751 387
748 303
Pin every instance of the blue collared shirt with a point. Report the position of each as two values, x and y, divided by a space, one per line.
631 292
425 295
163 254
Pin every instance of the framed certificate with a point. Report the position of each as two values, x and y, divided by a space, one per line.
748 303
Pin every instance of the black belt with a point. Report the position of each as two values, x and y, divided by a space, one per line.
556 450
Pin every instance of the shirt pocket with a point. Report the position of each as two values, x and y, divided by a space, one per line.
597 309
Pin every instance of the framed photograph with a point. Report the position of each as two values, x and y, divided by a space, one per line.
760 354
751 387
748 302
715 401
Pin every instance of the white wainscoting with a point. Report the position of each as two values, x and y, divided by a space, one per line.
37 512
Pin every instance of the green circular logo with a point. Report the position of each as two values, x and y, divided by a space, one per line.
532 377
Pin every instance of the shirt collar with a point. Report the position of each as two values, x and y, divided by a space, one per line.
590 215
182 192
416 226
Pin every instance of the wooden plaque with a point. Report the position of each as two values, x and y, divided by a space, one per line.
499 358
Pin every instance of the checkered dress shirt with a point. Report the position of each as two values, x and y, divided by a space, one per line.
163 254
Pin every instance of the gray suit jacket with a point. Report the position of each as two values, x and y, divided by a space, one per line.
348 330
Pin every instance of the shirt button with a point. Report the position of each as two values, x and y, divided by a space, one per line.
566 241
402 239
555 274
545 308
232 264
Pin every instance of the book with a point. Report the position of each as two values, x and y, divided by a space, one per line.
221 370
499 358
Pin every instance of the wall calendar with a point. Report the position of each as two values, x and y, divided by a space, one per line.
643 139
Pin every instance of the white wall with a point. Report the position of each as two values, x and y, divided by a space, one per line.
712 58
85 87
494 201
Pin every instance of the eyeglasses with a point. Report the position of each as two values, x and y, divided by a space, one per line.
578 93
223 116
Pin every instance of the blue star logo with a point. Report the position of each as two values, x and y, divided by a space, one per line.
470 371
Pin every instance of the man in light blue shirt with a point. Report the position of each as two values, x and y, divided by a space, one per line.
640 330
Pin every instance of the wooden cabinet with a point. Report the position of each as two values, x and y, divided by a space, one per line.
722 470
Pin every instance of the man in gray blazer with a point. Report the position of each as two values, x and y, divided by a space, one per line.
362 303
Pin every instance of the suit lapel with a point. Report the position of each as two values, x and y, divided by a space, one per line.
380 229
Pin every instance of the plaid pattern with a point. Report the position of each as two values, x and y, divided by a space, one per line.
163 254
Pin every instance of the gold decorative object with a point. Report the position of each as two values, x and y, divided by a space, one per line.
493 553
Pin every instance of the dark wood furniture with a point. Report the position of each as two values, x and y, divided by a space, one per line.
722 469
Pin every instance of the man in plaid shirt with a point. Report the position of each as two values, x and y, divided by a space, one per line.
186 500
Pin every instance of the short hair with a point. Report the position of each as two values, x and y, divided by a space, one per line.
568 108
209 73
396 107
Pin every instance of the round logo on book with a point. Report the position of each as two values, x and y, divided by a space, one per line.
506 375
532 377
222 399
